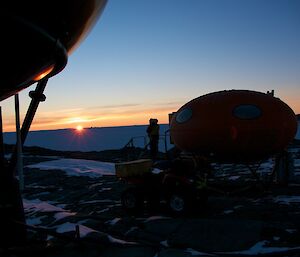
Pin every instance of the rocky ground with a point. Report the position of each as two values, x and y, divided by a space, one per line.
82 216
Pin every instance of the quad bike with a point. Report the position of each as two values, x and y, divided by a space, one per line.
179 191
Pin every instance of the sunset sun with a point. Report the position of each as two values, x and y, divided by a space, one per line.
79 128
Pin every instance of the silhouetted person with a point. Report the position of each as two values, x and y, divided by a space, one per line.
153 134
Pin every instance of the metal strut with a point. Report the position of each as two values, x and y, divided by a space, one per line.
37 96
11 205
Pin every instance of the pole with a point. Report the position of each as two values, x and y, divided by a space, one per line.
19 165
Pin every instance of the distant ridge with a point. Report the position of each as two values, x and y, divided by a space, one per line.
119 155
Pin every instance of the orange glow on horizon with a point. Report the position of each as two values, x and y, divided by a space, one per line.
100 119
45 122
88 117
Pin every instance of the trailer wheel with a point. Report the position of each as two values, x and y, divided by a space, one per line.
132 200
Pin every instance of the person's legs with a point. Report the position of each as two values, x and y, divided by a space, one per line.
153 148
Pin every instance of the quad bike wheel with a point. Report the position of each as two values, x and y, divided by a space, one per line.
132 200
178 203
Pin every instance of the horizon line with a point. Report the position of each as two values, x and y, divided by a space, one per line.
86 128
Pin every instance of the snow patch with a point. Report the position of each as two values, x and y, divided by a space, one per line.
68 227
119 241
155 218
296 162
164 243
260 248
96 201
238 206
33 206
130 230
194 252
228 211
78 167
62 215
287 199
34 221
291 230
104 210
156 171
113 221
233 177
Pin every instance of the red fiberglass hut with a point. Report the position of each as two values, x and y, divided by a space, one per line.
234 125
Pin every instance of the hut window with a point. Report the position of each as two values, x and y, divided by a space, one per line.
247 112
184 115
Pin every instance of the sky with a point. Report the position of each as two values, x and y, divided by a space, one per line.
145 59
